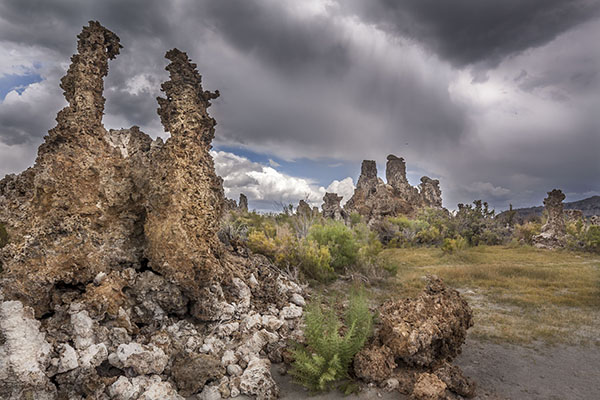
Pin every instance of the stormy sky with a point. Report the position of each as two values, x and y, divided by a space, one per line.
499 100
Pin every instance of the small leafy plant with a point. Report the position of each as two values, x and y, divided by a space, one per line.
331 343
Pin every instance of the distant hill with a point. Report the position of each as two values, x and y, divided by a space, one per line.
589 207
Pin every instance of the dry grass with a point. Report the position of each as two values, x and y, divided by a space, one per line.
518 294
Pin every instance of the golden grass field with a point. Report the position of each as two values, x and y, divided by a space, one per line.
518 294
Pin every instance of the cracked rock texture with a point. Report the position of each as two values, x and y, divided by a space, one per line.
553 231
415 341
374 199
115 285
332 208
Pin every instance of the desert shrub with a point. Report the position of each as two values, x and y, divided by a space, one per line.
259 243
591 239
451 246
389 265
312 260
355 218
315 261
430 235
401 231
524 233
328 355
478 225
3 236
340 241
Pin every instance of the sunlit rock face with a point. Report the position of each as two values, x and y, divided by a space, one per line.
374 200
114 283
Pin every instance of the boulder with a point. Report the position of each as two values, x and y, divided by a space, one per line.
428 330
257 380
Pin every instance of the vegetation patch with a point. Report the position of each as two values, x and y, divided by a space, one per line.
331 344
518 294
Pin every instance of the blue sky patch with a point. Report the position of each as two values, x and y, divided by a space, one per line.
322 171
16 82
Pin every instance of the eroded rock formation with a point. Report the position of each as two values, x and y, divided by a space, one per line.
415 342
332 208
554 230
115 285
374 199
304 209
243 204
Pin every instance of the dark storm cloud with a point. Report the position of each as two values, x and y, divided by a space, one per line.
306 80
278 37
479 31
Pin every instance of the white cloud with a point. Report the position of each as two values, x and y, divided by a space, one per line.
344 188
274 163
267 187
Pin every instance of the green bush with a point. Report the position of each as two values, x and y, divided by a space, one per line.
355 218
314 261
340 241
430 235
328 355
452 246
591 239
259 243
525 233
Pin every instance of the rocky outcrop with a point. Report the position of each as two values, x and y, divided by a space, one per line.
115 285
181 224
574 216
554 232
231 205
304 209
243 203
395 174
331 207
431 194
375 200
415 341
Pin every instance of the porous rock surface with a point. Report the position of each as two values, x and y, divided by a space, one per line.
115 285
243 204
304 209
332 208
415 341
375 199
554 231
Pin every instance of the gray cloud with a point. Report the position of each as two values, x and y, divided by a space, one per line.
320 79
479 31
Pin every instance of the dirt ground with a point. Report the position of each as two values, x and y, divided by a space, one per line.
503 372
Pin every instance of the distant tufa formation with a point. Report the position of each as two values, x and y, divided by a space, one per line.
554 231
231 205
114 284
373 199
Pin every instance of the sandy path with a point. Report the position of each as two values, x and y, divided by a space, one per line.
504 371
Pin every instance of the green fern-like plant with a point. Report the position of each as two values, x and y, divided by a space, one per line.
328 354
